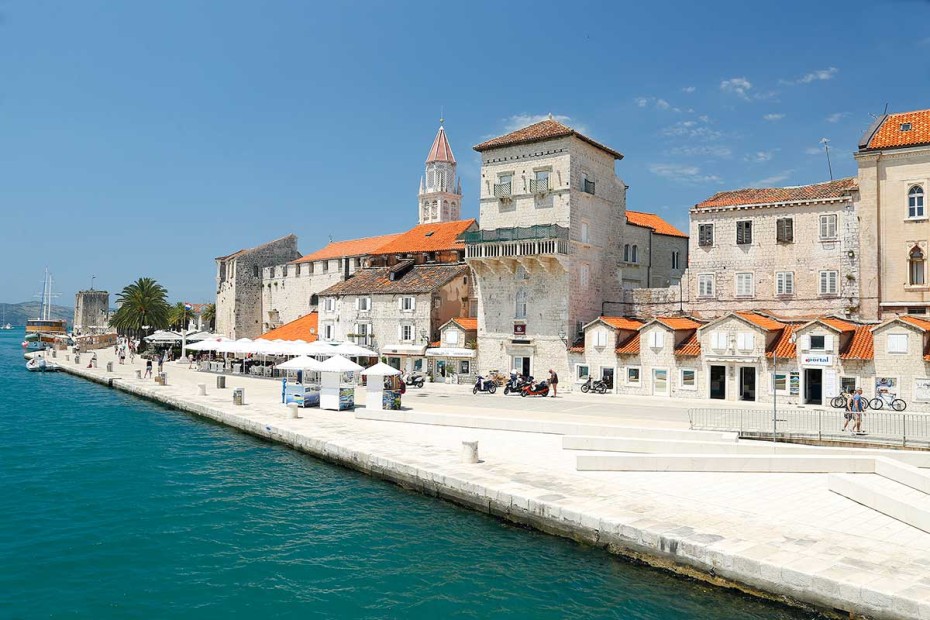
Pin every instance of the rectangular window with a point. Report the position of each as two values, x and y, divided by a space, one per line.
705 235
329 304
632 375
688 378
504 186
452 336
818 343
897 343
582 372
600 338
718 341
540 184
744 286
656 339
745 341
364 304
406 333
585 275
706 285
584 232
784 230
847 384
407 304
744 232
784 283
828 283
828 227
328 331
464 367
676 259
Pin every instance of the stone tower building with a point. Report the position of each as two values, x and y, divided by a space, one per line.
440 189
91 312
547 254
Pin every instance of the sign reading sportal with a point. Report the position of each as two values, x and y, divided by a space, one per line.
817 360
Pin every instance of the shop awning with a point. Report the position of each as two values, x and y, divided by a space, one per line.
403 349
450 352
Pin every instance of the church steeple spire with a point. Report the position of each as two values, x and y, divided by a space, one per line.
440 190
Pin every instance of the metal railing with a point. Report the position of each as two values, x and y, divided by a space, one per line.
883 426
542 231
539 186
502 190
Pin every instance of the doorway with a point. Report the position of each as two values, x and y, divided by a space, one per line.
747 383
522 365
813 386
607 376
718 382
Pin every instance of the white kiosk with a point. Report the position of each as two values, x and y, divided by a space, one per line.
376 397
337 383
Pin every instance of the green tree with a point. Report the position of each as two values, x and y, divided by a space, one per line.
178 316
143 307
208 314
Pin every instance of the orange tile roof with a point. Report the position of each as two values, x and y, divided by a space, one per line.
433 237
776 195
352 247
761 321
577 346
544 130
861 345
630 346
621 322
678 323
890 135
839 324
782 346
469 324
689 347
653 221
304 328
916 322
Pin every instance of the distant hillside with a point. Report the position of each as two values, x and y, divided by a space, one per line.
18 314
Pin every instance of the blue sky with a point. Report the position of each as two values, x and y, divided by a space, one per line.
146 138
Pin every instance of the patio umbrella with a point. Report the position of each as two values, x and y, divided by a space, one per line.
380 369
353 350
337 363
301 363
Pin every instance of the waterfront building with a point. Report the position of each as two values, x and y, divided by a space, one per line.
91 312
305 328
894 184
239 286
396 310
655 253
452 358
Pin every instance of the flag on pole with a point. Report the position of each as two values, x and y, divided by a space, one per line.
188 306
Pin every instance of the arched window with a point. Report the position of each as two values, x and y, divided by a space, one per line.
626 253
634 251
915 201
916 264
314 300
520 309
425 211
435 210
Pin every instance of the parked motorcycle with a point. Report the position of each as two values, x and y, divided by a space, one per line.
484 385
515 384
535 389
416 379
599 386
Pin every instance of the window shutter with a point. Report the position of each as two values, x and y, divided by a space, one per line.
828 342
413 303
805 343
749 341
400 303
741 341
789 229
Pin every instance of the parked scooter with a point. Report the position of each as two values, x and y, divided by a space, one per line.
416 379
535 389
598 387
484 385
515 383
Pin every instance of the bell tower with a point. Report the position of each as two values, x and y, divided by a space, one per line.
440 190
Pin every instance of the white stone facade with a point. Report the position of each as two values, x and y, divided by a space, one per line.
291 290
91 312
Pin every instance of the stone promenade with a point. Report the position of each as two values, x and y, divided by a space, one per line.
783 535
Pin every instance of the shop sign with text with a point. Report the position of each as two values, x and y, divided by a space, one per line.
816 360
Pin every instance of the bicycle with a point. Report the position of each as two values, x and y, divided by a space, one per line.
884 399
839 402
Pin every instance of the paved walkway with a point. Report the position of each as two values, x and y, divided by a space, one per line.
781 533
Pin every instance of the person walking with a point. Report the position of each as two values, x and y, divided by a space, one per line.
161 363
148 369
553 382
858 408
848 414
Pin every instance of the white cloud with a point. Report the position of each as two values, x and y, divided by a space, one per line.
682 172
773 117
739 86
693 130
706 150
760 157
837 117
689 89
814 76
662 104
641 102
518 121
775 179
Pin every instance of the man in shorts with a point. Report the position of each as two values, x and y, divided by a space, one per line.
858 406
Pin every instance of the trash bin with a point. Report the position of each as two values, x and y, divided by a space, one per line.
162 378
221 382
239 396
109 366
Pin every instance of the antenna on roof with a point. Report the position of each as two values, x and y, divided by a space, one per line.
330 237
441 116
886 108
826 147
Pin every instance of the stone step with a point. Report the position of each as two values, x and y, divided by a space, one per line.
807 464
886 496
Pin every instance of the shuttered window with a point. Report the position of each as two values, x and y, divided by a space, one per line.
744 232
706 235
784 230
706 285
828 283
784 283
744 285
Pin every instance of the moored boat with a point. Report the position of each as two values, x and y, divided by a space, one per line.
44 331
39 364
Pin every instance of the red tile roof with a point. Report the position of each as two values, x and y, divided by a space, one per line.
621 322
304 328
653 221
577 346
441 151
544 130
890 135
839 324
352 247
923 324
689 347
777 195
434 237
630 346
377 281
678 323
761 321
469 324
861 345
782 346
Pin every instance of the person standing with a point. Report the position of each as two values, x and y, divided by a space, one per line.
858 408
553 382
148 369
161 363
848 414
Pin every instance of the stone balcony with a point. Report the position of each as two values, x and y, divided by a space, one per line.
545 245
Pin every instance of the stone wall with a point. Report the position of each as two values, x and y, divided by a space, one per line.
91 312
288 290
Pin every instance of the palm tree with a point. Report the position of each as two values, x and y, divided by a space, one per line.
208 315
143 306
177 316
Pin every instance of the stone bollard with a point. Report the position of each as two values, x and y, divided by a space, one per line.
54 352
221 382
77 359
67 358
469 451
109 366
138 374
292 410
202 389
239 396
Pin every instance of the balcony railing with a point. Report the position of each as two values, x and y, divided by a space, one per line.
503 190
587 186
526 241
539 186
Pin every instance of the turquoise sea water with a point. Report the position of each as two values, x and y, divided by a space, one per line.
112 507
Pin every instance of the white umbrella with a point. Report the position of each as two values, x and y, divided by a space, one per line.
163 336
381 369
353 350
337 363
301 363
319 347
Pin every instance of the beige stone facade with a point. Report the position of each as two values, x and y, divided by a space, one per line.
91 312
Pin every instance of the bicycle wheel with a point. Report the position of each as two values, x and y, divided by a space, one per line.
876 403
492 388
898 404
865 404
838 402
